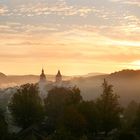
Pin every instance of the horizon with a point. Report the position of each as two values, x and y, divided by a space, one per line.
52 74
76 37
76 75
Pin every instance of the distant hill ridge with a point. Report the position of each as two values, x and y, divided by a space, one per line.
2 75
127 73
123 73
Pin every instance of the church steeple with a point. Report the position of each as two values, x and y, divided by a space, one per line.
42 70
59 74
58 78
43 76
42 84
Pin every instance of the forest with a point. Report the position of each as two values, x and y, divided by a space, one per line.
65 115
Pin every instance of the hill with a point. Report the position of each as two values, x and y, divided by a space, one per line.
126 74
16 80
2 75
126 85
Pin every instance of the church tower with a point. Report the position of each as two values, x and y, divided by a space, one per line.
43 77
58 78
43 85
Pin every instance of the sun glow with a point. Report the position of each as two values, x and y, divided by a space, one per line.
135 64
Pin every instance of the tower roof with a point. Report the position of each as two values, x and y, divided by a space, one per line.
58 74
42 71
42 76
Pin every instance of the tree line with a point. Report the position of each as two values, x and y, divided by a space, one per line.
64 115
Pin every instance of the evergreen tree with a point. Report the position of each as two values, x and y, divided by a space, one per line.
109 109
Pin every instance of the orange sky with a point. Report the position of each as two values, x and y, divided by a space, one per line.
75 37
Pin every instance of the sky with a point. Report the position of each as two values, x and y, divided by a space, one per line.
75 36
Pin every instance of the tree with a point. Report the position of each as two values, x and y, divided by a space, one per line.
58 99
108 108
89 110
137 121
26 106
61 134
3 126
130 114
74 121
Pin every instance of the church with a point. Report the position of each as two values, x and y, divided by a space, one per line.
44 85
58 78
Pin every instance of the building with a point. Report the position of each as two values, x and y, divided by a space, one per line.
42 77
43 85
58 79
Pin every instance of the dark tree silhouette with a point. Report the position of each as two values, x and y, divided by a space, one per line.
57 101
74 121
3 126
89 110
26 106
130 113
137 121
109 109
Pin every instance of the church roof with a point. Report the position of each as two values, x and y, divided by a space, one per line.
58 74
42 74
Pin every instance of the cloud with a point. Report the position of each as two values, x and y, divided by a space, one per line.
59 8
89 55
128 2
62 35
76 43
3 9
